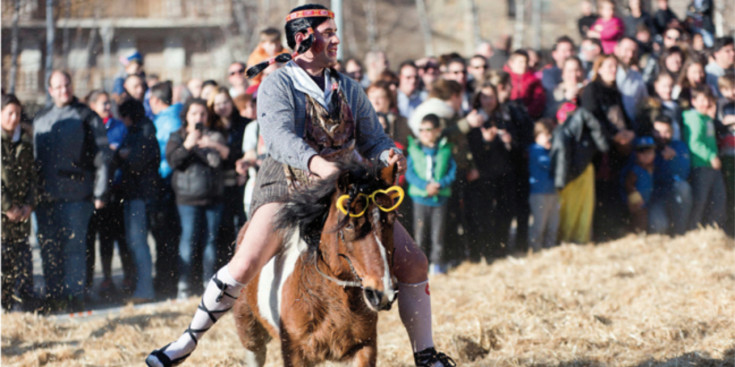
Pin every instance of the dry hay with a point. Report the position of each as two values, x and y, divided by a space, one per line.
638 301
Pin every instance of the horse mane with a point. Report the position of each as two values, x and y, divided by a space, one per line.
307 209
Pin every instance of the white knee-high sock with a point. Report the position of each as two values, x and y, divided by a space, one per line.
214 301
414 306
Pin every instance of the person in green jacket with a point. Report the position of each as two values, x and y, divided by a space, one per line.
430 172
708 185
18 198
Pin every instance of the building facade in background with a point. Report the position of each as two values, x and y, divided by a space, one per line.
183 39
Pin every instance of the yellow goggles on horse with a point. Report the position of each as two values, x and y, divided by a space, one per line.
387 200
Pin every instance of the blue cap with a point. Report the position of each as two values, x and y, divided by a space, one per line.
644 142
135 56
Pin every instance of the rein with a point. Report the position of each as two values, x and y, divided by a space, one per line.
342 283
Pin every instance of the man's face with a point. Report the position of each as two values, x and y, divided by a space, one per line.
625 51
430 74
408 80
477 67
60 89
562 52
354 70
590 51
671 38
134 87
456 71
725 57
326 43
236 74
195 87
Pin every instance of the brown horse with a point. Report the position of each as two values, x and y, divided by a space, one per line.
321 293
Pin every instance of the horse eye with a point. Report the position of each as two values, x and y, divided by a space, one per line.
350 226
383 200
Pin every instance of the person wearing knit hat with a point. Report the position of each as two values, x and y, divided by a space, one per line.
308 88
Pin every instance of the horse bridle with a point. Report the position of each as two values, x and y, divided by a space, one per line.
345 283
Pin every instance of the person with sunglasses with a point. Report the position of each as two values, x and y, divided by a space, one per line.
237 79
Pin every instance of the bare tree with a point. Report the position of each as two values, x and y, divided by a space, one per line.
350 36
536 21
520 25
473 24
14 47
371 23
65 35
246 16
50 35
425 27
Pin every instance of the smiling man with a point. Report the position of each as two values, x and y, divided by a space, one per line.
307 88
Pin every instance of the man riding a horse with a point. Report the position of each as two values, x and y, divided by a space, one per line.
310 116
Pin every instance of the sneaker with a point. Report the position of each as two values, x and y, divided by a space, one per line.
429 357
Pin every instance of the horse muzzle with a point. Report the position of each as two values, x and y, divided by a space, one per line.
378 300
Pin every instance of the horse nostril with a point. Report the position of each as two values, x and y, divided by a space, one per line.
375 297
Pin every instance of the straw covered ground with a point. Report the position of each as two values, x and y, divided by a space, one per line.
638 301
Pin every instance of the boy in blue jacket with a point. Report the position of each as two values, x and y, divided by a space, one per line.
544 200
430 173
671 201
638 182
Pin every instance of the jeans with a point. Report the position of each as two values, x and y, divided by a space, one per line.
136 233
430 218
708 195
62 236
108 223
166 230
233 218
545 210
199 225
669 211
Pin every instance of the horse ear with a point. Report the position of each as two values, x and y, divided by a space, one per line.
343 181
388 174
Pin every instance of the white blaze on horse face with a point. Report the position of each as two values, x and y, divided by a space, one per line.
387 279
274 275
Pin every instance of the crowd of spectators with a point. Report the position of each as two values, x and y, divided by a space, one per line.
630 130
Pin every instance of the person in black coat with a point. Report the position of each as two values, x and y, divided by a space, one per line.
137 158
602 98
196 153
575 143
491 195
226 119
